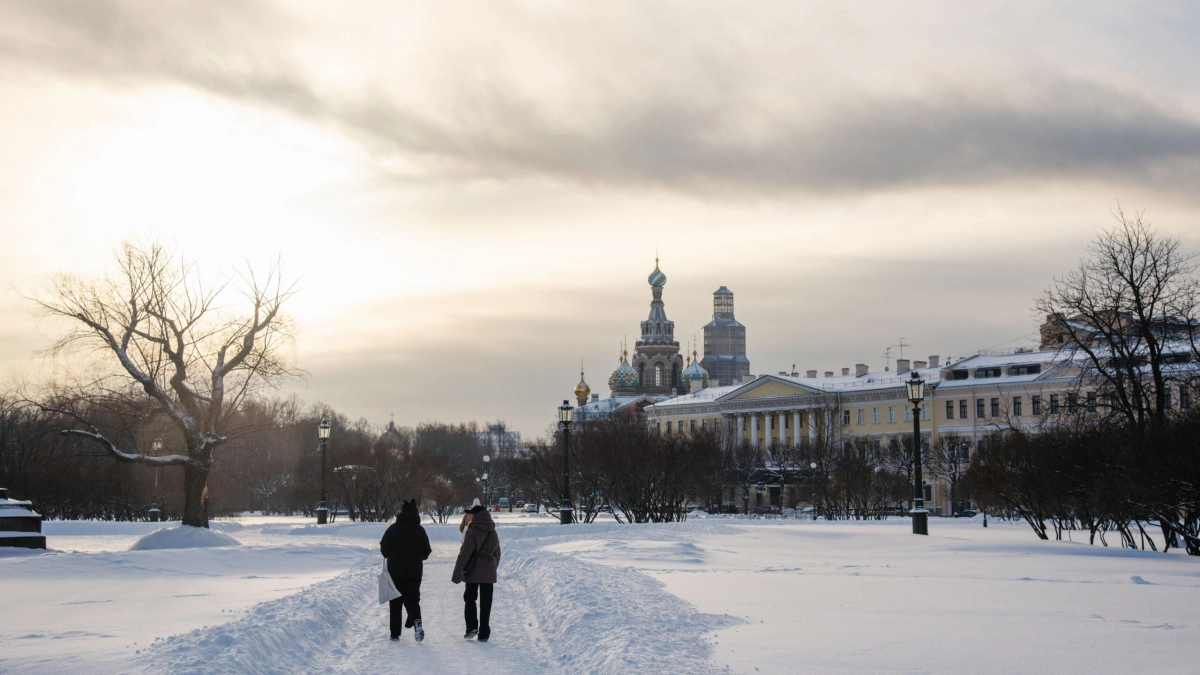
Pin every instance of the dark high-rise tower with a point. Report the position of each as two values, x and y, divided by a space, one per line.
725 343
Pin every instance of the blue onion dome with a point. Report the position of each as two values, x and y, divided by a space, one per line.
624 377
657 279
694 373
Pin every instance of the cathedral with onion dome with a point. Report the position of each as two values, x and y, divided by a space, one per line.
656 371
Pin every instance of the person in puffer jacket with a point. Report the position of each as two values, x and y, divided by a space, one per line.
482 541
406 547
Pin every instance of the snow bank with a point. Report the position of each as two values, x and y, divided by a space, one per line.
184 536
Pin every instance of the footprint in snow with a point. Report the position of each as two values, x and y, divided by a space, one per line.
1140 581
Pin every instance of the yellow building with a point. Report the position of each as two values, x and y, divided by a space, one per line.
967 399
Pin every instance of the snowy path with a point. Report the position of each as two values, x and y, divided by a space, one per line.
605 598
551 614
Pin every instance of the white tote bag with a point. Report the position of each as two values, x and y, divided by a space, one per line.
387 588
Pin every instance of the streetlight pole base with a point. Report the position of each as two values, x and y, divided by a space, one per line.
322 515
920 521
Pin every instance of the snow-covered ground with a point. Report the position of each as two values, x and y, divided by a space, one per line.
709 595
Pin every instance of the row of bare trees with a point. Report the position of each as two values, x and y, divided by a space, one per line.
273 467
1127 318
619 464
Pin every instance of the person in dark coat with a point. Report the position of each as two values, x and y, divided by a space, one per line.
482 541
406 547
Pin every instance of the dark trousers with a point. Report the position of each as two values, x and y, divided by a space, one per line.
484 592
410 599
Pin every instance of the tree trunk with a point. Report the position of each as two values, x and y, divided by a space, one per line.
195 510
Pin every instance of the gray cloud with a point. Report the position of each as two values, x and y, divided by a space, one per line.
707 131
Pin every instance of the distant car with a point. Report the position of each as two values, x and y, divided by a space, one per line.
606 509
503 503
966 513
520 504
531 508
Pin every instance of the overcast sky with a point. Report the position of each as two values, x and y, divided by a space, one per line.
471 193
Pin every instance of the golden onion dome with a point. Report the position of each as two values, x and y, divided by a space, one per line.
582 390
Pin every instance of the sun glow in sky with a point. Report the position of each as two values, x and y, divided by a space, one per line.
470 195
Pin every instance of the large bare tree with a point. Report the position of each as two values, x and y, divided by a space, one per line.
179 352
1128 312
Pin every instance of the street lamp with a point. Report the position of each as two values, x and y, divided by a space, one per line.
322 509
155 514
813 466
916 394
487 497
564 423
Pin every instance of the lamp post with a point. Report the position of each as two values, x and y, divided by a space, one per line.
322 509
813 466
564 424
916 394
155 514
487 493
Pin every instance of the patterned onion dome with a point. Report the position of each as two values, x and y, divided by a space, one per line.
582 390
624 377
695 373
657 279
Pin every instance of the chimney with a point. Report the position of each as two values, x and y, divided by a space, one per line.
902 365
810 373
934 362
860 369
919 364
845 371
829 373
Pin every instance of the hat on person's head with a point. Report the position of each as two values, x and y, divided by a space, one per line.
476 502
476 509
410 505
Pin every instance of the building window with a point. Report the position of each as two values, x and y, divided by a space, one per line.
874 415
1053 404
995 407
658 375
845 418
1036 403
980 408
1185 398
891 413
1025 370
1091 401
962 409
679 426
987 372
949 410
1016 406
691 425
928 493
907 413
1167 400
1072 402
860 415
925 412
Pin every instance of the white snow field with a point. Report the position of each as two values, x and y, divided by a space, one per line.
707 596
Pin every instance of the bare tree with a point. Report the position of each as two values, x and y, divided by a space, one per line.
1128 311
172 349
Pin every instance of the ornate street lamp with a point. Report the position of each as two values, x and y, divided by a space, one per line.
564 424
155 514
487 496
322 509
916 394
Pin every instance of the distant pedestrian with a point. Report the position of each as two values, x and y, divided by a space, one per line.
406 547
477 562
